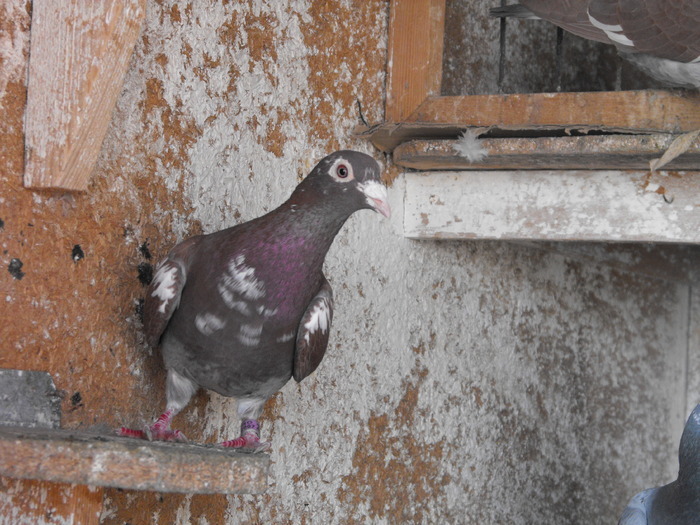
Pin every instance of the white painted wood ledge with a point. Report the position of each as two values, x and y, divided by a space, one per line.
557 205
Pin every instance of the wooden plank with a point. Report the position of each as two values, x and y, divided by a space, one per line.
79 55
388 136
110 461
553 205
644 111
415 55
29 399
583 152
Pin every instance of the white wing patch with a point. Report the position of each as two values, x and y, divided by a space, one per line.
249 334
208 323
267 312
318 320
244 280
285 337
164 284
239 284
614 33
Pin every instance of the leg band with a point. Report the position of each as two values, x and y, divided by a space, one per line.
250 424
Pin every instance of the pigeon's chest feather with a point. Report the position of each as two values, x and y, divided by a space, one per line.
267 282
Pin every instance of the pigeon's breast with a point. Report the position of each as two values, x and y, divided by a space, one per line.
235 328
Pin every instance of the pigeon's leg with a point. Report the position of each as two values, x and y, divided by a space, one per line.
178 390
249 441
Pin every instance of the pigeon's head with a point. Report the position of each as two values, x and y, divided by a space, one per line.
350 180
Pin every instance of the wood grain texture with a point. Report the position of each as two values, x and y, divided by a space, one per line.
415 55
107 461
553 205
663 111
78 58
585 152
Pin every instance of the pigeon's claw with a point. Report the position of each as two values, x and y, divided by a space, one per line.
249 440
131 433
153 433
164 435
247 443
158 431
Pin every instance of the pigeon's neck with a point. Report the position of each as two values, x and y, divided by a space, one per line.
313 213
314 225
295 237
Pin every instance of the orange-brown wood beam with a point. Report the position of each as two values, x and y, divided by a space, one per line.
649 110
416 30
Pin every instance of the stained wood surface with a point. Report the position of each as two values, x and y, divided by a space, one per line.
661 111
78 58
587 152
415 55
110 461
616 206
646 112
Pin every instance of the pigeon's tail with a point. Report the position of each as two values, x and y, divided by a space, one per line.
515 11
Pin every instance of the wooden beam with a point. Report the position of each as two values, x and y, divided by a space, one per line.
109 461
645 111
553 205
561 153
79 55
386 137
415 55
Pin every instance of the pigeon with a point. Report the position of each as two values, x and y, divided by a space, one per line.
660 37
242 310
677 503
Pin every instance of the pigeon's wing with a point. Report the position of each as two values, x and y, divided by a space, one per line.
313 332
164 291
571 15
632 516
636 511
659 28
664 29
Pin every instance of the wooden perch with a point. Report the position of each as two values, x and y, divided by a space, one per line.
65 470
640 111
110 461
596 152
79 55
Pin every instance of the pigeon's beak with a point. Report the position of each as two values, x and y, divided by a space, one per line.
377 197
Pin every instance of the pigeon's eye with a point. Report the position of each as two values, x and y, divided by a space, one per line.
342 171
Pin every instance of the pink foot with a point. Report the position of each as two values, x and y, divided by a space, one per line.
158 431
249 441
153 434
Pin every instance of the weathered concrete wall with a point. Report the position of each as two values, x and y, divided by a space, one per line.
464 383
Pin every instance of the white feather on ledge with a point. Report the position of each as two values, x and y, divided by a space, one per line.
469 146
